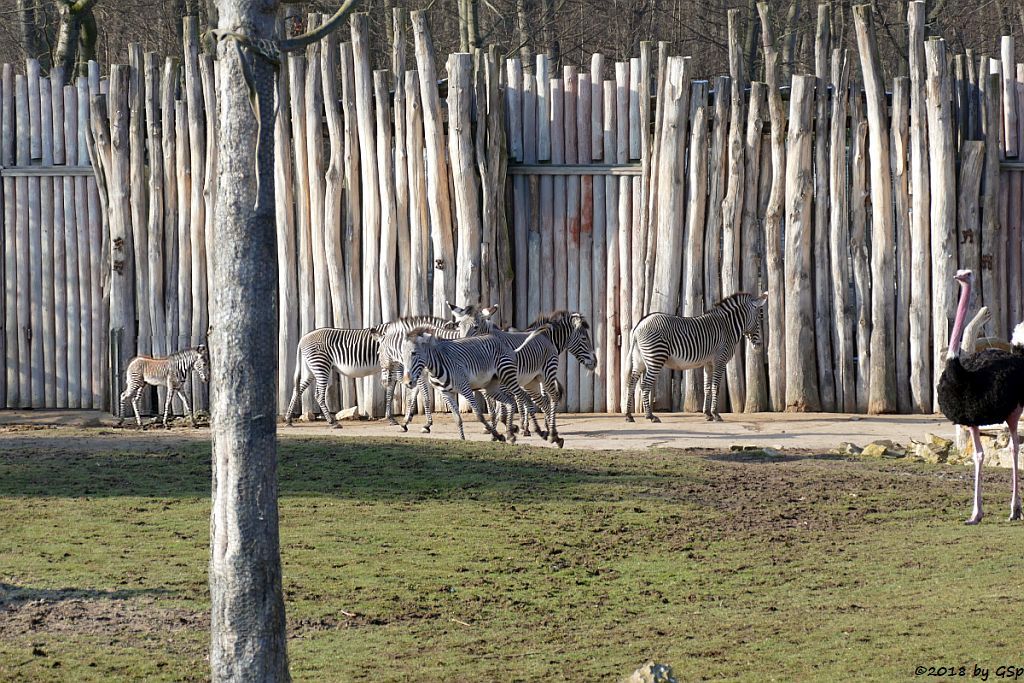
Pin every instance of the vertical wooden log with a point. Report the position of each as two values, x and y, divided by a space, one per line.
839 236
671 189
693 297
11 247
753 249
732 204
168 140
823 314
514 107
314 110
122 302
597 104
197 211
352 216
183 153
387 277
34 330
71 229
437 168
460 96
1016 229
284 218
901 199
155 218
334 183
859 245
305 270
882 387
532 191
567 264
542 74
639 235
545 124
613 329
419 218
802 380
33 75
370 184
644 95
60 273
716 191
652 198
578 133
99 236
139 196
516 115
920 238
773 219
993 253
23 260
47 239
497 174
943 196
563 150
208 75
972 160
1010 112
625 208
405 293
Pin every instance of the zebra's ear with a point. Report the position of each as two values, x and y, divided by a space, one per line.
459 311
762 300
578 320
490 311
201 349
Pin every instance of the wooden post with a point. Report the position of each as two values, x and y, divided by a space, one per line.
567 263
46 224
155 219
497 176
1010 113
352 216
11 247
1015 262
882 386
71 229
314 179
369 182
334 187
639 236
943 196
184 230
823 314
23 260
517 117
60 274
460 96
839 235
387 277
920 238
773 219
532 303
404 283
546 184
578 121
613 329
169 84
34 330
993 252
284 216
98 235
599 268
208 74
859 254
139 195
693 297
437 168
652 196
802 380
304 272
732 204
644 95
901 199
542 76
625 227
419 218
716 192
972 160
753 248
197 211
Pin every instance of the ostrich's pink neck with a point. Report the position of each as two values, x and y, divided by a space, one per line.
958 323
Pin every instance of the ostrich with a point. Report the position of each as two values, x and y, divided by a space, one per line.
985 388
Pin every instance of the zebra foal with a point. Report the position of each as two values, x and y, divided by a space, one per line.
660 340
170 372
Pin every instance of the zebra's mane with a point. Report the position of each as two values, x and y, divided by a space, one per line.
419 331
738 297
555 318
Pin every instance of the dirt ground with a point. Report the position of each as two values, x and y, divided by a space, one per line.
809 431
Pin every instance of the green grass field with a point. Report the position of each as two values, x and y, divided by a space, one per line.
443 561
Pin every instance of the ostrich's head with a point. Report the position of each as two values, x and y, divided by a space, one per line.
964 277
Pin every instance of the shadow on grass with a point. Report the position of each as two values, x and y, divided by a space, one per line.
378 469
12 595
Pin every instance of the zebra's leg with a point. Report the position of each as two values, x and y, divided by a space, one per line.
492 410
716 382
136 402
467 393
647 390
125 395
453 405
167 402
535 404
709 371
410 406
389 395
300 387
188 408
634 377
549 399
320 393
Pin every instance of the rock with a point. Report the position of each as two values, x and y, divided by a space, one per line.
652 673
846 448
884 448
348 414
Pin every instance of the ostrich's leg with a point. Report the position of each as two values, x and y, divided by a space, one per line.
979 458
1011 422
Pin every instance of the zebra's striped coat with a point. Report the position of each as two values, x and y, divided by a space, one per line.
170 371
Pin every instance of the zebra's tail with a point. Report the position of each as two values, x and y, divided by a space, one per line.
543 329
632 354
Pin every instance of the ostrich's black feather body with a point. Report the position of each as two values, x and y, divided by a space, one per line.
982 389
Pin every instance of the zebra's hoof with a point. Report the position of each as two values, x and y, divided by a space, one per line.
709 418
543 435
718 418
629 418
497 437
404 428
425 429
392 422
527 432
655 419
558 441
335 425
288 422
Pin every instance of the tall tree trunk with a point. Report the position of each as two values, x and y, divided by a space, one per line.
69 33
28 28
248 621
525 56
87 41
789 54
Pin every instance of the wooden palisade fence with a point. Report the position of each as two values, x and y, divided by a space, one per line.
611 188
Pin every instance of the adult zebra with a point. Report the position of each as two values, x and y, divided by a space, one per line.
352 352
170 372
537 361
709 340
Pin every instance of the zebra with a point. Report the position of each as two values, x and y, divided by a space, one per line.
171 372
708 340
467 323
537 361
354 353
462 366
